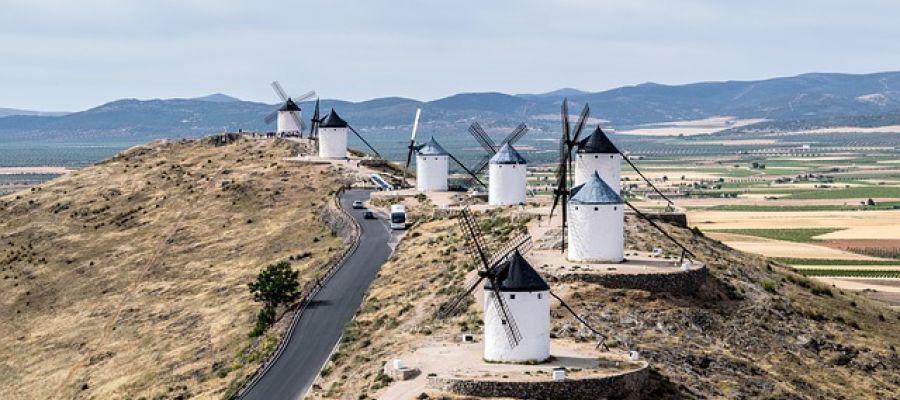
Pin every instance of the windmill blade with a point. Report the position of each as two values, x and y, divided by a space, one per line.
412 149
314 122
482 165
482 138
297 121
306 96
585 114
450 308
641 174
271 117
377 154
474 240
564 154
582 320
412 143
556 197
564 110
279 91
479 169
565 219
468 171
515 135
512 330
684 249
522 243
415 125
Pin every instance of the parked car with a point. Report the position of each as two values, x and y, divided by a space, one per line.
358 204
368 215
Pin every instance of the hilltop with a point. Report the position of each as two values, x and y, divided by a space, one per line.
128 279
755 329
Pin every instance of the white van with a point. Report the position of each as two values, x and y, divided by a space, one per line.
398 216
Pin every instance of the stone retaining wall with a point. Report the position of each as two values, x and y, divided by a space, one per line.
674 218
337 220
681 282
627 386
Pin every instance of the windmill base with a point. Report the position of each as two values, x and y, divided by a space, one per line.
459 369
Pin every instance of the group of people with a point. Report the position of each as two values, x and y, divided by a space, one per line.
271 134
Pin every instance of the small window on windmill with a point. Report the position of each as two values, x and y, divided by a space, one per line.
467 338
596 208
503 322
540 296
512 297
596 156
615 208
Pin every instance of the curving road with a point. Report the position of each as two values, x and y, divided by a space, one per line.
323 321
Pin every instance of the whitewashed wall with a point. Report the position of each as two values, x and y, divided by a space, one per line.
431 173
286 123
333 142
531 311
506 184
596 232
608 166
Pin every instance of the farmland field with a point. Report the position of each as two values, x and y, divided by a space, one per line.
791 235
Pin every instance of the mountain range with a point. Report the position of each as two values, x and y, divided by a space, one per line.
5 112
807 97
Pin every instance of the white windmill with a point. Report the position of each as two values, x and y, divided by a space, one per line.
527 298
507 174
332 135
288 115
516 298
507 177
432 167
432 163
596 210
593 210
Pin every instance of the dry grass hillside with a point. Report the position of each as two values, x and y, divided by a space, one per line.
754 330
128 279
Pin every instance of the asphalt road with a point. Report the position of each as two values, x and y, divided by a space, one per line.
322 323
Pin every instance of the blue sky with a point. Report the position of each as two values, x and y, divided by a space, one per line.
72 55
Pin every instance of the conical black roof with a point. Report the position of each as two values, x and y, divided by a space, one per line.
432 148
517 275
333 120
289 105
597 143
595 191
507 155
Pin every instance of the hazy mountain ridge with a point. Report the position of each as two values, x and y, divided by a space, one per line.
5 112
815 98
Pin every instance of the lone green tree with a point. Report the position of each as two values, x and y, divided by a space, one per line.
275 285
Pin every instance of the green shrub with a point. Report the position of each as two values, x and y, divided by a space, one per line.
264 319
769 286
